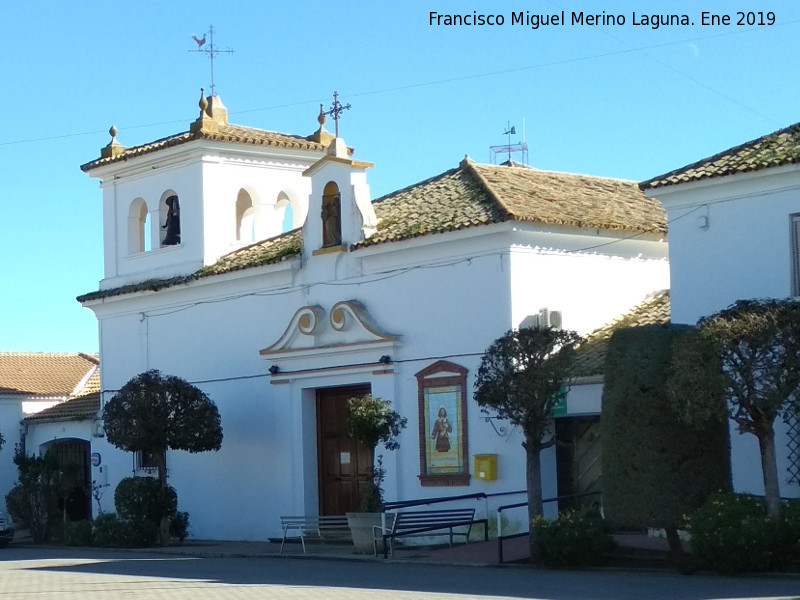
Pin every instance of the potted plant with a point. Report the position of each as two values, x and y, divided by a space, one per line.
371 421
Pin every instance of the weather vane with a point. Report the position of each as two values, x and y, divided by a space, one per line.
510 130
211 50
336 110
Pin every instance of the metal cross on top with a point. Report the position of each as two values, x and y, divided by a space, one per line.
336 110
211 50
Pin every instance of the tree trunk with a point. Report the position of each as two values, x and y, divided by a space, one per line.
769 467
534 481
161 462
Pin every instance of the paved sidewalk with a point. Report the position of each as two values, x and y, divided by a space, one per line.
474 553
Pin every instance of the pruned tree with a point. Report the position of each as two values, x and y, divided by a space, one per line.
155 413
749 353
522 376
656 468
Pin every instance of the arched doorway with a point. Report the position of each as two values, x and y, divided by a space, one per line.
73 457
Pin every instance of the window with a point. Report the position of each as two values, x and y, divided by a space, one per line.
171 218
796 255
285 212
331 216
443 439
245 218
137 227
145 462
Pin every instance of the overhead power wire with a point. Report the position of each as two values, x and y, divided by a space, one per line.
565 61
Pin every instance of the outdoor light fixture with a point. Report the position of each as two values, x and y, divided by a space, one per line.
385 359
274 370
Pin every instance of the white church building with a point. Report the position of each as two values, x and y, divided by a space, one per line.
257 266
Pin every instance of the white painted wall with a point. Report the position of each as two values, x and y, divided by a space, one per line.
445 299
13 409
730 239
590 285
445 296
207 178
10 417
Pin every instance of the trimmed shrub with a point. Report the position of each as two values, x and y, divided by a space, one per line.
732 533
790 536
575 538
143 499
110 531
78 533
655 467
179 526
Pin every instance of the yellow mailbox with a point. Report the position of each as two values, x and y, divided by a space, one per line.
486 467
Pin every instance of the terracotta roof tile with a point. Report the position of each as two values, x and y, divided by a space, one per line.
477 194
450 201
779 148
46 374
270 251
75 409
591 355
574 200
468 196
234 134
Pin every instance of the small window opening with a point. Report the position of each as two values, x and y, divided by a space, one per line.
245 218
331 216
138 220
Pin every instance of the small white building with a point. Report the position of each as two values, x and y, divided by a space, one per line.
256 266
734 227
33 383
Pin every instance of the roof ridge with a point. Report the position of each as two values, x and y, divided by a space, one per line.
394 193
714 157
469 167
46 353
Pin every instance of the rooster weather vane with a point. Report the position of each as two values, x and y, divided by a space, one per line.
211 50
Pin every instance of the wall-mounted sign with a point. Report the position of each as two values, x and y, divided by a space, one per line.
96 459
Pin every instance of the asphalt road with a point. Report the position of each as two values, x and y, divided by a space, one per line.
85 574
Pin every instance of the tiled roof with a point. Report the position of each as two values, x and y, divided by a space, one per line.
591 355
75 409
234 134
450 201
270 251
468 196
779 148
476 194
47 374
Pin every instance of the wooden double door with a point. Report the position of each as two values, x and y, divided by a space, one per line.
344 464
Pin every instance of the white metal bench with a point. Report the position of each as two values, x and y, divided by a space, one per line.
424 522
323 527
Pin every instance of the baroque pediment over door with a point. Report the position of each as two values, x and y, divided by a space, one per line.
347 323
344 337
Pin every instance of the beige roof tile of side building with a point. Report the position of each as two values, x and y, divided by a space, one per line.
48 374
74 409
591 354
776 149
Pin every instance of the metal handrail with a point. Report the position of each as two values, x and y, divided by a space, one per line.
437 500
500 509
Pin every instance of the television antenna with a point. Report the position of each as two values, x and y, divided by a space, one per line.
508 149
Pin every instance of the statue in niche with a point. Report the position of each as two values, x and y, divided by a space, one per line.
172 237
331 220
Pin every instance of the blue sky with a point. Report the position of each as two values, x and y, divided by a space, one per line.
625 101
